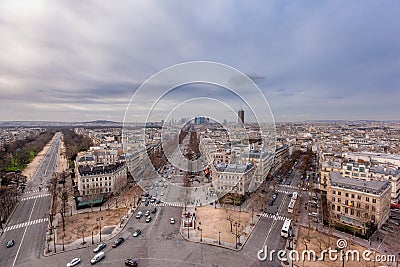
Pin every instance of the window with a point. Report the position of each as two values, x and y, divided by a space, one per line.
373 208
339 193
358 213
359 197
366 206
338 208
367 199
352 195
339 200
347 194
346 202
334 192
333 199
374 200
358 205
333 207
346 210
351 212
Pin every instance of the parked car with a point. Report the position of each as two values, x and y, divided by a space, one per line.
147 213
154 210
172 221
131 262
118 242
99 247
98 257
148 219
137 232
73 262
10 243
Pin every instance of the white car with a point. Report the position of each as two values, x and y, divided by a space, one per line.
73 262
172 221
97 258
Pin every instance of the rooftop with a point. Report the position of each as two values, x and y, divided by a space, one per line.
371 187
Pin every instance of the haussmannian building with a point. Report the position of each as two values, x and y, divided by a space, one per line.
358 204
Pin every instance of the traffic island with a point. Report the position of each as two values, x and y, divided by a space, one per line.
218 226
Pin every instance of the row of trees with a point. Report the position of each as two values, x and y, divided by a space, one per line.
17 154
75 143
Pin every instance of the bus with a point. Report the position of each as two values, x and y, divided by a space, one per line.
291 205
286 228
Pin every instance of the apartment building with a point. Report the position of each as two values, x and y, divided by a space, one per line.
358 204
232 178
94 180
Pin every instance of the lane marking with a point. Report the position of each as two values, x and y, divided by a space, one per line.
38 196
23 236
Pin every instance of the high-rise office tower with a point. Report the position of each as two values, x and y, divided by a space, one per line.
241 118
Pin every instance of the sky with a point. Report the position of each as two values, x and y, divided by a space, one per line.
78 60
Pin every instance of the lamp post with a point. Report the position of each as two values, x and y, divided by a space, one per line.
99 219
236 224
70 208
219 237
92 238
201 234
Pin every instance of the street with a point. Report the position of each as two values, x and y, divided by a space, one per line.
27 226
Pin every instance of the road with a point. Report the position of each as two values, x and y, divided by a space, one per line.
27 226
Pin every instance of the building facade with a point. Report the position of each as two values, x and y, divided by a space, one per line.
358 204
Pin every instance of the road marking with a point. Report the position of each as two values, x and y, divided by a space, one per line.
25 224
171 204
274 216
23 236
35 191
32 197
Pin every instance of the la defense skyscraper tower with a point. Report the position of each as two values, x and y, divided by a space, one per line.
241 118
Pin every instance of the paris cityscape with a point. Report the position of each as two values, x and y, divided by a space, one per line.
199 134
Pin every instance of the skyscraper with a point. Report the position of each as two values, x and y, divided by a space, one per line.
241 117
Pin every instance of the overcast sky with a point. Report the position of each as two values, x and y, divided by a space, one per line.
79 60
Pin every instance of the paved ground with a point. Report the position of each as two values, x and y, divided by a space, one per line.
30 214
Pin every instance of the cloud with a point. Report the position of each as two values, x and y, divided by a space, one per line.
331 59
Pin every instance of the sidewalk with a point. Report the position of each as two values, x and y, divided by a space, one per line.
86 241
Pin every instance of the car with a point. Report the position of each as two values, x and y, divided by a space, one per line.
118 242
148 219
10 243
147 213
162 194
98 257
138 216
158 201
137 232
154 210
131 262
99 247
146 203
152 200
144 199
73 262
271 202
172 221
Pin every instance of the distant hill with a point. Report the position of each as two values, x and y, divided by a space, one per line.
96 123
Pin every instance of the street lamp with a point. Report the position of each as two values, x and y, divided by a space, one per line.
219 237
201 234
236 224
99 219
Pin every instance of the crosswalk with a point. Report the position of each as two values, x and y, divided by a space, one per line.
35 191
274 216
163 204
289 186
33 197
25 224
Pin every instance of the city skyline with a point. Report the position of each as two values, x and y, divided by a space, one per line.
70 61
